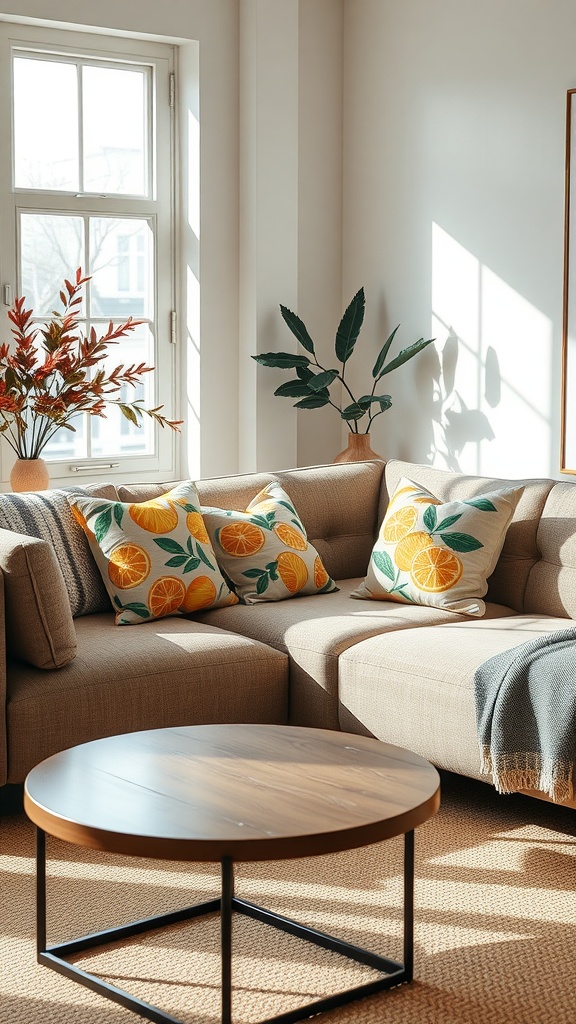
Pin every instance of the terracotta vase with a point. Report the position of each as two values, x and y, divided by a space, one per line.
29 475
358 450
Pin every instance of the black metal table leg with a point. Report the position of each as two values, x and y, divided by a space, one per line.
227 871
391 973
409 905
40 891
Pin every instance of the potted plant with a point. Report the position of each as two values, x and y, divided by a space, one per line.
312 383
43 386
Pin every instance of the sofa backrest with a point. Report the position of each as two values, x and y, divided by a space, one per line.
337 504
551 587
521 551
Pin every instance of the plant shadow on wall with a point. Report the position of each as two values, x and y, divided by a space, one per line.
454 423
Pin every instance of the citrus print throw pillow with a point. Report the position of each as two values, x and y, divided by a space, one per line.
438 553
155 557
264 551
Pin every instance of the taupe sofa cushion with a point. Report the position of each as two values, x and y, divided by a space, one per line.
551 585
165 673
337 504
314 631
416 689
39 626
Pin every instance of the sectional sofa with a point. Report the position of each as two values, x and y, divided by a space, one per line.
400 672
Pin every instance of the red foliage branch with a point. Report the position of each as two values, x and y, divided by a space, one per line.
43 385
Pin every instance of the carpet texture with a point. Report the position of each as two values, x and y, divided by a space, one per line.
494 940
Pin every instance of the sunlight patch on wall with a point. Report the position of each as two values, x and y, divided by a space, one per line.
493 394
193 371
193 165
522 337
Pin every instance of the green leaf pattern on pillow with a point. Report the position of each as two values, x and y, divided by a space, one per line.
264 550
439 554
155 557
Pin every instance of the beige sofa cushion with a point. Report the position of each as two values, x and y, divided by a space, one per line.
314 631
551 585
323 496
416 689
39 626
165 673
507 584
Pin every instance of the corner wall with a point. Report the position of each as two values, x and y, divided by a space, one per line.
290 217
453 220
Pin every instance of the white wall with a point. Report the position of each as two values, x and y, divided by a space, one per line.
320 208
454 117
291 216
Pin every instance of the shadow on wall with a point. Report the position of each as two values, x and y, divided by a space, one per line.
492 371
454 423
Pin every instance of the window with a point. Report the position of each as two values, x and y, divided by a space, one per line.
88 182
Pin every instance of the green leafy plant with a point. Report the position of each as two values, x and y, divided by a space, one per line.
312 383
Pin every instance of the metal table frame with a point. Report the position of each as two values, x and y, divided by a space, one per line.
393 973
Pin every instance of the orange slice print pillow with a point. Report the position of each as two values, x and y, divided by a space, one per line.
155 557
438 553
264 550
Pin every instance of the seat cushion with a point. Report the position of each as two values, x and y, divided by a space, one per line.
165 673
314 631
416 689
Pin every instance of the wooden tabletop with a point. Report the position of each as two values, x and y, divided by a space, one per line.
250 792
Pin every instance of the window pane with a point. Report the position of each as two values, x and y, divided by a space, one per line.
115 435
121 267
45 125
51 248
68 445
115 122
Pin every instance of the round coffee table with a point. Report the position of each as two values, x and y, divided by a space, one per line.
230 793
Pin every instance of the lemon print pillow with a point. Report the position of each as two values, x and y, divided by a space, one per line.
155 557
264 551
438 553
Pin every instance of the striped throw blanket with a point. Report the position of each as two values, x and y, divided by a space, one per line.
526 716
48 516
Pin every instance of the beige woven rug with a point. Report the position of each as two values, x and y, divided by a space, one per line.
495 924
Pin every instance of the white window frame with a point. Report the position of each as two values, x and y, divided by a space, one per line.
160 209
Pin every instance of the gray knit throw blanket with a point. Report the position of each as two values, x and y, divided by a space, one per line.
526 716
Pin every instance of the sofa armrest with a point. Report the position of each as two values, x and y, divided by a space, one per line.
39 626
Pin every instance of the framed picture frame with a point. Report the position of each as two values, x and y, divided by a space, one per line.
568 400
